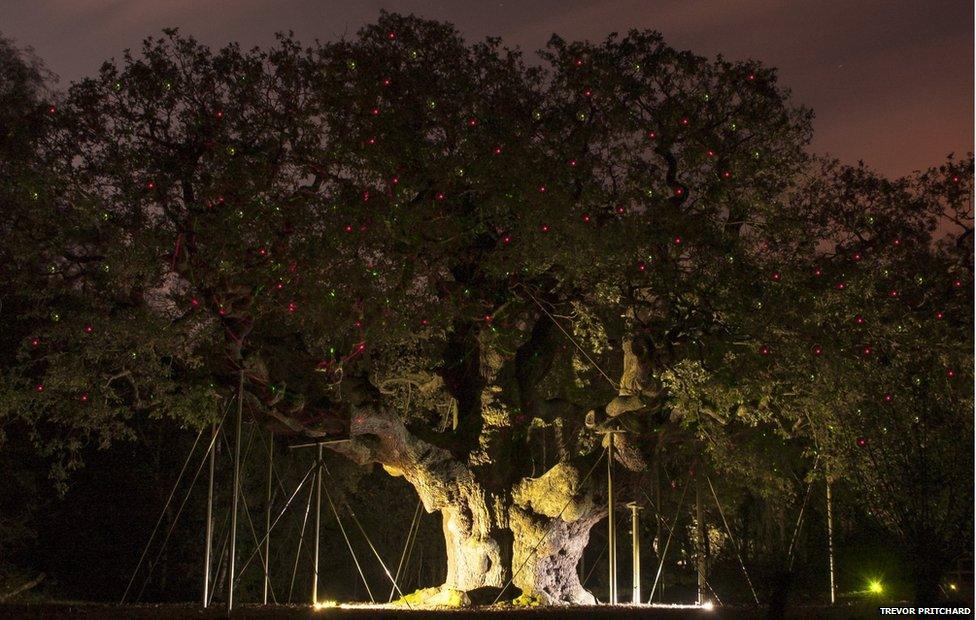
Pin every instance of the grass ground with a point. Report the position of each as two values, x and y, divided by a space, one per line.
621 612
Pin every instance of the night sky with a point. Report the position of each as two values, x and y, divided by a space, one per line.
891 82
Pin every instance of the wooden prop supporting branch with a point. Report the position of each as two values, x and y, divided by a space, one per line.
658 517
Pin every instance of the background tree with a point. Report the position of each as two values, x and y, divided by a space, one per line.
870 324
24 118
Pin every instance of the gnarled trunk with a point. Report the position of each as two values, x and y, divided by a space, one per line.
478 542
530 535
533 538
551 518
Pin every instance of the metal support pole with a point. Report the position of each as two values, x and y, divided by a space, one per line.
267 520
700 536
612 529
209 535
318 510
830 543
658 516
232 560
635 552
318 521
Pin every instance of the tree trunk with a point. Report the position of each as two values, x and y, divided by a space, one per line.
478 542
551 519
533 538
532 533
547 571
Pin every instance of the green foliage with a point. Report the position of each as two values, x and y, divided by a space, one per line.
873 319
385 208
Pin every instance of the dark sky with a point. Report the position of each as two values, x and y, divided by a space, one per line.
891 81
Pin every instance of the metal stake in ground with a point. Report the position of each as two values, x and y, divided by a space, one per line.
209 534
318 511
830 542
635 552
232 563
700 543
318 521
611 525
267 519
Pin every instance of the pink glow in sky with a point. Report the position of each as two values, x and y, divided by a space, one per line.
891 81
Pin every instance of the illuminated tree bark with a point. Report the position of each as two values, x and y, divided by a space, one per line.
551 520
529 534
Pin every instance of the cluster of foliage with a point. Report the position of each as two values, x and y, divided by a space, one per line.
880 349
384 208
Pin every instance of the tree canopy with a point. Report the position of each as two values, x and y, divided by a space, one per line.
388 206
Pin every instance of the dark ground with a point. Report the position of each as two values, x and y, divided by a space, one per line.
84 610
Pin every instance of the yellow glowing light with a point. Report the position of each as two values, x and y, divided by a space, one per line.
953 587
708 606
324 604
875 587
